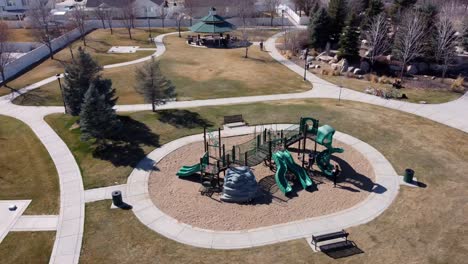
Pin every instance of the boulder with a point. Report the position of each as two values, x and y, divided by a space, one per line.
395 67
350 69
412 69
358 71
365 66
240 185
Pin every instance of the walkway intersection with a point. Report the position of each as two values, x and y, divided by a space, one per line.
70 222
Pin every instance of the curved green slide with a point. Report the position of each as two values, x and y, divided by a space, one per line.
186 171
297 170
280 175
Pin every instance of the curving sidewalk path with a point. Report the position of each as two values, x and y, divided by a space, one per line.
70 223
384 192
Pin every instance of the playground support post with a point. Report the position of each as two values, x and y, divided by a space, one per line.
304 145
219 141
245 158
224 155
204 139
234 153
264 135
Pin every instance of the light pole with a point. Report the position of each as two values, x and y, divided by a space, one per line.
149 24
305 63
282 19
179 22
61 91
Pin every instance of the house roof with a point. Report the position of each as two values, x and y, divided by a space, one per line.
212 23
115 3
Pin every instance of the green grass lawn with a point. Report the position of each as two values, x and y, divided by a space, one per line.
26 169
197 73
27 247
98 43
422 226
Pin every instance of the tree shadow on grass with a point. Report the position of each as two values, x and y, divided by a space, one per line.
183 118
126 147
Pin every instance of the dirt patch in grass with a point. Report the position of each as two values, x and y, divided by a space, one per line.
26 169
423 225
21 35
27 247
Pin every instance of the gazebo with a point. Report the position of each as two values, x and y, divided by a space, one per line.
214 25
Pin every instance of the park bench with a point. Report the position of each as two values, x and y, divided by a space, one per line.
234 121
329 236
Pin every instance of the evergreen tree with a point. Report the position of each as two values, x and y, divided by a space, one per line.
337 10
429 14
464 37
153 85
349 39
319 33
97 117
374 9
78 77
400 6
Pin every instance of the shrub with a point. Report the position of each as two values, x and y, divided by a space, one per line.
457 85
335 73
350 75
385 80
373 78
325 72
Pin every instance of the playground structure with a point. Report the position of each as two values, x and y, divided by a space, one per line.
270 147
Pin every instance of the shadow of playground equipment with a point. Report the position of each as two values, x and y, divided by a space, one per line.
341 249
125 149
361 182
183 118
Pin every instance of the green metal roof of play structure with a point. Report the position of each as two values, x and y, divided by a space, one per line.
212 23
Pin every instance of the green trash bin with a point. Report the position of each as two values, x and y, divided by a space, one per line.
409 174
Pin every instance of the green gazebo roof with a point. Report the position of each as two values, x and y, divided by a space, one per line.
212 23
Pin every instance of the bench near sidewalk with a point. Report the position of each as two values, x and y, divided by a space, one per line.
234 121
329 236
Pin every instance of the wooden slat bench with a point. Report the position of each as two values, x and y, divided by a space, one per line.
329 236
234 121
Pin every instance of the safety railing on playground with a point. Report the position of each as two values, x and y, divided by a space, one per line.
254 151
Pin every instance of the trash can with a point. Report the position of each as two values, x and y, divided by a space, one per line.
117 198
408 178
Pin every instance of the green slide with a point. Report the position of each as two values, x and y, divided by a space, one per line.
280 175
186 171
297 170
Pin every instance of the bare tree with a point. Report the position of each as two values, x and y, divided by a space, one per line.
78 18
377 37
41 21
306 6
100 13
271 6
409 40
245 10
445 42
5 55
162 12
109 15
180 17
127 14
65 29
188 6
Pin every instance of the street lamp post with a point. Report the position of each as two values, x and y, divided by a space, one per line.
282 19
305 63
149 23
61 91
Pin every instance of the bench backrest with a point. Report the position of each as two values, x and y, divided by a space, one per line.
233 119
330 236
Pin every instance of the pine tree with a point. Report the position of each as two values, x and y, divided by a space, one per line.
319 25
349 40
400 6
78 77
464 37
97 117
374 9
337 10
153 85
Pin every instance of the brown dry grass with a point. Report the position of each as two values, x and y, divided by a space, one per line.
26 169
20 35
98 43
424 225
27 247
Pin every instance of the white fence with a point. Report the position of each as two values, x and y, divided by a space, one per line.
301 20
17 66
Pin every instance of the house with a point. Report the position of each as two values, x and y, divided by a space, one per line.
17 8
143 8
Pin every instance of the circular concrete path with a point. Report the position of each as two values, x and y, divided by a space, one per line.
384 192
